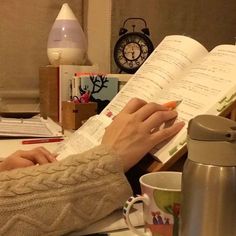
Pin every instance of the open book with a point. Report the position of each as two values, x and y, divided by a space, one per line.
180 68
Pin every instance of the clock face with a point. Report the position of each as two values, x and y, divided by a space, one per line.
131 50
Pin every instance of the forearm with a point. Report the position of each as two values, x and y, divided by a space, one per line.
57 198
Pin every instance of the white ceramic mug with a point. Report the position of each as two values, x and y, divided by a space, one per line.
161 197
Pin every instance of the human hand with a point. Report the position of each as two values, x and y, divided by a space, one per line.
135 130
20 158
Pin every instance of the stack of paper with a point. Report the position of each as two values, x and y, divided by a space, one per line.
31 127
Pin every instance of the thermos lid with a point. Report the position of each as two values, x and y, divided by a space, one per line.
212 140
212 128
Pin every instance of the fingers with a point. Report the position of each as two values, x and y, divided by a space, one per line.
34 156
148 110
133 105
166 133
142 109
21 159
50 157
38 155
130 133
158 118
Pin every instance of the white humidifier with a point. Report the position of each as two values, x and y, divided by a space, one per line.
67 44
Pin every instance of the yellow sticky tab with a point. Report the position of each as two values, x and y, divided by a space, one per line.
183 142
222 100
173 150
231 97
221 108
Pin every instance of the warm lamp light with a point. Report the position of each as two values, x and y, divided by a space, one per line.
67 44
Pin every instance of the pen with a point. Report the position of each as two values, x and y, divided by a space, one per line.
43 140
172 104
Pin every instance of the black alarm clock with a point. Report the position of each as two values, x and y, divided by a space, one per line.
132 48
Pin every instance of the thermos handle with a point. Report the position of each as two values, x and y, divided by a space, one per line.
126 211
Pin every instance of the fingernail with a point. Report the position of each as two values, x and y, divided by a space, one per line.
53 158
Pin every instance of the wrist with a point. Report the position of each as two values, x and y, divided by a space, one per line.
116 154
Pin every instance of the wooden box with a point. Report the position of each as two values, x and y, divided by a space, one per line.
55 87
49 95
74 114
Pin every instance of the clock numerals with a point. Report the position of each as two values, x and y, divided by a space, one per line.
130 63
144 49
143 57
137 63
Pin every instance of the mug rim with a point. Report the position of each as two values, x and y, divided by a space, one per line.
160 188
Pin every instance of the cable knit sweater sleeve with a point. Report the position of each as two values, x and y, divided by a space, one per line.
57 198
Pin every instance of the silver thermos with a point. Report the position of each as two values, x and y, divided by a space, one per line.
209 178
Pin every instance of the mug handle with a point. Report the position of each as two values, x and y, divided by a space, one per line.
126 211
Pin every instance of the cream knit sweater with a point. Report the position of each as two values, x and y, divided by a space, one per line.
55 199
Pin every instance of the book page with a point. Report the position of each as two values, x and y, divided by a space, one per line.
207 88
87 136
166 64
